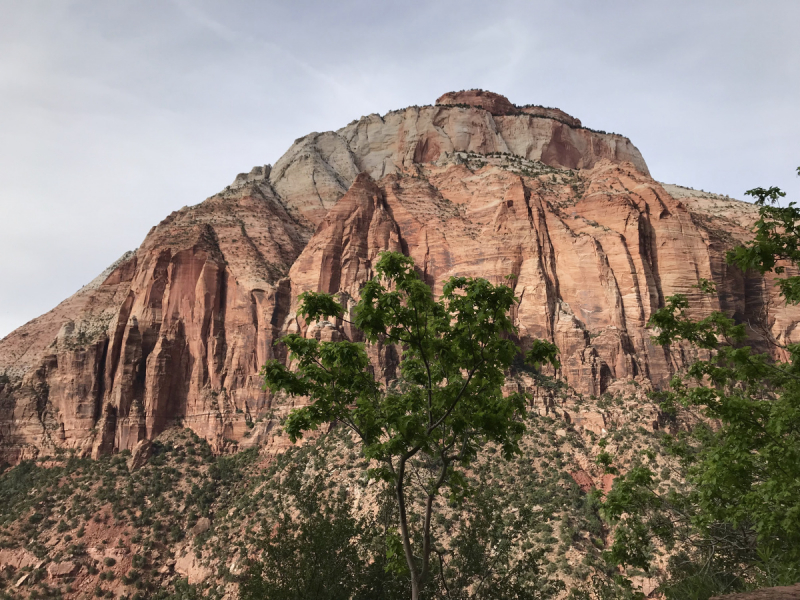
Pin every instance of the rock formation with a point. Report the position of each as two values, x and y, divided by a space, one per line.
175 332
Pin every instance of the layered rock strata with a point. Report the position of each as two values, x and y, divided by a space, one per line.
175 333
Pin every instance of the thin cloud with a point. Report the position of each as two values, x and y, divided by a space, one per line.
275 51
115 114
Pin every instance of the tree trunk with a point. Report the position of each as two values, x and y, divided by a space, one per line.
414 588
404 534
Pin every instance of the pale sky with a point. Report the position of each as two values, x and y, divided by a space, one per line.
114 114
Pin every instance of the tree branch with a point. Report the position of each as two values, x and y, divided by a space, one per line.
458 397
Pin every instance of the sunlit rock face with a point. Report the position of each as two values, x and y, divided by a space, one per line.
174 334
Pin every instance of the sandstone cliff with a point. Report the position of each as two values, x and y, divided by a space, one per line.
176 332
320 167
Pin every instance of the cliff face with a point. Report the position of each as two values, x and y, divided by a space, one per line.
594 254
176 332
174 335
319 168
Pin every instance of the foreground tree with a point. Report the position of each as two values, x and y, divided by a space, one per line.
737 525
313 547
445 404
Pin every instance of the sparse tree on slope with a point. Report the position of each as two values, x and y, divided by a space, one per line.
445 404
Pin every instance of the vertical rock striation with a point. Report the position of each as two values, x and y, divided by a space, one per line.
175 332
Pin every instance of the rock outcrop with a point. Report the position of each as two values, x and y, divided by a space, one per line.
174 333
320 167
492 103
499 106
61 570
139 455
594 254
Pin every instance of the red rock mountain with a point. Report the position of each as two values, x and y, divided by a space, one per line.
175 332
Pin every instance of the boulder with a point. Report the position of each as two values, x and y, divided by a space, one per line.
190 567
63 569
583 479
139 455
203 524
589 421
16 558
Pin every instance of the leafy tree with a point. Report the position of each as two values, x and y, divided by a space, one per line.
777 233
737 526
446 402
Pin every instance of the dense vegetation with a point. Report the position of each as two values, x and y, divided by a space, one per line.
526 516
502 542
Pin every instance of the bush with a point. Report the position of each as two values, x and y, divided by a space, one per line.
132 576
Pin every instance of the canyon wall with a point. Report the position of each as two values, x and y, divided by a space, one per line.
174 334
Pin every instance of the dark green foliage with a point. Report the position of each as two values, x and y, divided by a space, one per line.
483 563
225 471
131 577
317 550
28 485
182 590
776 241
606 586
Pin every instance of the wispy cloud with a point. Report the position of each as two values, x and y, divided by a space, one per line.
113 114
